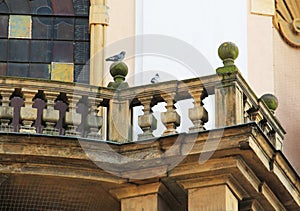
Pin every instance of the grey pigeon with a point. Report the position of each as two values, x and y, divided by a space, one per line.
116 58
155 79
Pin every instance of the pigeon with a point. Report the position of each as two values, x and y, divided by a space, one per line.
155 79
116 58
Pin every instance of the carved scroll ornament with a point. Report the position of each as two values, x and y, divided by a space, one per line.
287 20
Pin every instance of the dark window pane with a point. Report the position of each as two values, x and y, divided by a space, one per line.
3 69
15 69
82 29
62 7
3 51
64 28
81 7
18 6
40 51
40 7
3 7
42 27
39 71
81 52
3 26
81 74
18 50
62 51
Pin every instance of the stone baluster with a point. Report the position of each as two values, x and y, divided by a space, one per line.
94 121
271 102
16 101
248 109
73 119
6 112
170 118
61 104
28 113
39 102
83 109
50 115
198 114
147 121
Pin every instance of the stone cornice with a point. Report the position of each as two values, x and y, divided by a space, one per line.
244 157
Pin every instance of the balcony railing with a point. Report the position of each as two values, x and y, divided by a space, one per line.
69 109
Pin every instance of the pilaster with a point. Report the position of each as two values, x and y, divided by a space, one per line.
98 22
221 193
147 197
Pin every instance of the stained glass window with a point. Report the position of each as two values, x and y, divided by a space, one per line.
18 50
19 26
62 71
3 26
40 38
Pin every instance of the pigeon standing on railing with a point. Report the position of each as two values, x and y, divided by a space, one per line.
155 79
116 58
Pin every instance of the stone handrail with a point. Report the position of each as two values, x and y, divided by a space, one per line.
70 109
50 107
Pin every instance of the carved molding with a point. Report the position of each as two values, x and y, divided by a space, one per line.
287 21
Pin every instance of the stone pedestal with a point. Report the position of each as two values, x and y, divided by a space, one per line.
214 198
229 110
148 197
119 118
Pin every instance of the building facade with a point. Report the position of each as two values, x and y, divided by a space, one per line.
69 146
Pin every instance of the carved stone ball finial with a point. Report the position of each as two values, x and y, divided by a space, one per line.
118 71
271 101
228 52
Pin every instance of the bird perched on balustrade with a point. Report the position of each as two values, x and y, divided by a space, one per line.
116 58
155 79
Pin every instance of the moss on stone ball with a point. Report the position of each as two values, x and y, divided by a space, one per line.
271 101
118 69
228 50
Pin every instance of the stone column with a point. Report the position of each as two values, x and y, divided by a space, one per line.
217 198
215 194
98 22
148 197
229 95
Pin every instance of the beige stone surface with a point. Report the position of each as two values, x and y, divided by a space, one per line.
263 7
260 53
148 202
273 67
119 122
122 26
287 89
214 198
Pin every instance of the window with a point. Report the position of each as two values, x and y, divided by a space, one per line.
45 39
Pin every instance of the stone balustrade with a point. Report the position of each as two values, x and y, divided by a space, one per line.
52 108
69 109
